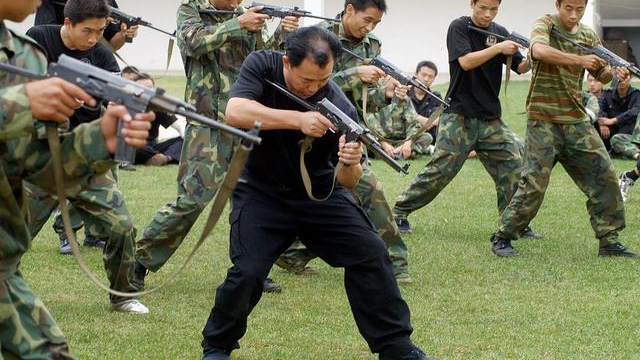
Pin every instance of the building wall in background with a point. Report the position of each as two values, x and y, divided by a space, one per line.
412 30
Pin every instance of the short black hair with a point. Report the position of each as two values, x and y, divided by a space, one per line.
318 44
362 5
130 70
426 63
144 76
78 11
499 1
585 2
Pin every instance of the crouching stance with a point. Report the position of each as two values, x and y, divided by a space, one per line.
271 208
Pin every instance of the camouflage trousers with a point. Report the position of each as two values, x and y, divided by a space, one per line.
27 330
205 158
581 152
102 207
625 145
370 197
421 144
498 150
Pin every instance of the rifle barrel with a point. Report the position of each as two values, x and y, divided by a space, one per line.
488 33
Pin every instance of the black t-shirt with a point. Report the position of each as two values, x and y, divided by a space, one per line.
427 105
275 162
48 36
51 12
475 92
162 118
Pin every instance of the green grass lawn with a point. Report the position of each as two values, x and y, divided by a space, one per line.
556 300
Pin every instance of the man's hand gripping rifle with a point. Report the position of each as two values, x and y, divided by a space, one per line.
601 52
132 20
351 129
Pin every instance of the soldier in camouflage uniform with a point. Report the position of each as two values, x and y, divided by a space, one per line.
559 130
27 330
102 202
213 48
473 121
628 145
590 103
354 31
398 133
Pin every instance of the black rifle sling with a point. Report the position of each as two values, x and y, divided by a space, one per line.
224 193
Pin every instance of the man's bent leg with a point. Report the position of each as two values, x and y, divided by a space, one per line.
587 162
104 203
204 162
341 234
370 196
454 143
499 152
27 330
262 227
541 155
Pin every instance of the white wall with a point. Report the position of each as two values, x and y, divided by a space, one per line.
412 30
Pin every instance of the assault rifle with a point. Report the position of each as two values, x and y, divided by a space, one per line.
136 98
395 73
601 52
131 20
273 11
514 36
351 129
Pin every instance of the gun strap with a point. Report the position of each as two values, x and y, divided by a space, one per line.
423 128
224 193
507 76
305 147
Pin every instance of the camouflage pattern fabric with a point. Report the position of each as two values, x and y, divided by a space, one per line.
498 150
27 330
627 145
204 161
582 154
23 315
369 192
399 122
103 203
213 48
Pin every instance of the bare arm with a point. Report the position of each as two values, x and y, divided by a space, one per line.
243 113
476 59
595 65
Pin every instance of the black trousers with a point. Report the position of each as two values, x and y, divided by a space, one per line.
264 224
171 147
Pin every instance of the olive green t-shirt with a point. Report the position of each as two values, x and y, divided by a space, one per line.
555 94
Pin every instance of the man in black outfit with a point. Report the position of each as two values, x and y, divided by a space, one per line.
159 153
78 37
619 109
271 208
425 105
51 12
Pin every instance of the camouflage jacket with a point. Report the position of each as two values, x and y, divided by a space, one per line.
590 102
24 157
213 48
395 121
379 109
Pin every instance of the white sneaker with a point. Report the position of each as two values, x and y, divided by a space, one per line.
625 186
431 149
132 306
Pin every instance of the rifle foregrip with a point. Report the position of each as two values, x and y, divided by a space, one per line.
125 153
